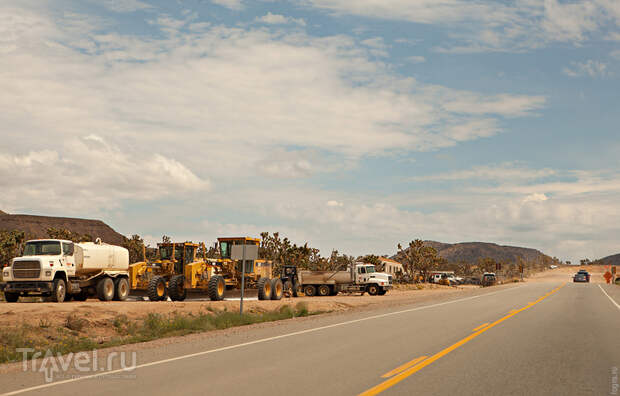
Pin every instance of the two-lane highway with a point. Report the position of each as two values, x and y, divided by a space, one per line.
538 338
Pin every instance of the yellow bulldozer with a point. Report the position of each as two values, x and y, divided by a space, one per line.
176 271
227 272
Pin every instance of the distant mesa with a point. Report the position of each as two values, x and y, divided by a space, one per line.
471 252
609 260
36 226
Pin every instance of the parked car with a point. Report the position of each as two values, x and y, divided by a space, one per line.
586 274
488 279
579 277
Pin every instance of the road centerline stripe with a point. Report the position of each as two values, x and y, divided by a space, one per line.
398 378
481 326
403 367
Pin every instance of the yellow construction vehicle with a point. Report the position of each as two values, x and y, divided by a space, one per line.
227 273
176 271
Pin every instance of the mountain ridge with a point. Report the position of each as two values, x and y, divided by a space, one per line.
36 226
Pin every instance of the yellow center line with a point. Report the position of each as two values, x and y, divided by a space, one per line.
403 367
481 326
419 366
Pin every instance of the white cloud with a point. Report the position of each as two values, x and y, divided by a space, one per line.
591 68
416 59
80 173
276 19
536 197
508 171
297 90
615 54
124 5
490 25
232 4
131 118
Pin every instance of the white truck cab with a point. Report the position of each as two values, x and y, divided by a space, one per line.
366 274
62 269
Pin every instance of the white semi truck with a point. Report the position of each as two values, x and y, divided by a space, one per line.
360 278
63 270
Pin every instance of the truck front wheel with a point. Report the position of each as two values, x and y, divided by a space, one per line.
11 297
59 290
264 289
373 290
105 289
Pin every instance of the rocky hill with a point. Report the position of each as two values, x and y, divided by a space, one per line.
609 260
36 226
472 251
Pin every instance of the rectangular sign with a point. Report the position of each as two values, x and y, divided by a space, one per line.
251 252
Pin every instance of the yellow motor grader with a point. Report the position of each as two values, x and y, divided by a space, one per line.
175 271
227 272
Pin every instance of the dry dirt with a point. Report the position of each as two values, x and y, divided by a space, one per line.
99 315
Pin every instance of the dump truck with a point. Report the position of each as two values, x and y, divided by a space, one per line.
359 278
63 270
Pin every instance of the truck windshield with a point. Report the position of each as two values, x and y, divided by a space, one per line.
42 248
165 252
370 269
224 249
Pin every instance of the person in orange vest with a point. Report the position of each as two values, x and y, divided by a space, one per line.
607 276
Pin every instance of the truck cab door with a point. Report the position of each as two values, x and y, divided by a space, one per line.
68 258
361 275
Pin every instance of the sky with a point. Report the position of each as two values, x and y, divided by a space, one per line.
352 125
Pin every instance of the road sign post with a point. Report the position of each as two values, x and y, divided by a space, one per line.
243 252
242 280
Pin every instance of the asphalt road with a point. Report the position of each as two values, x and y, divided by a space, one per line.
545 338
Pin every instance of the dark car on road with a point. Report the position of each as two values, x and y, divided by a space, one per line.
579 277
586 274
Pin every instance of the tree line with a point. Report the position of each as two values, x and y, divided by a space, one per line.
418 260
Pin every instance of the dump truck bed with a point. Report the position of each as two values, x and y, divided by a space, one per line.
325 277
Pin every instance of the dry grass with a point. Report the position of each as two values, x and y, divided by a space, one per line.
78 335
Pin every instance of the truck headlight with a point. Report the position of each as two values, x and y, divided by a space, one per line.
5 274
48 273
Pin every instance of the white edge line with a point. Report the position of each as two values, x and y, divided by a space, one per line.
612 300
43 386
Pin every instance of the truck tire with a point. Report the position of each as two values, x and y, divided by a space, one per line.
11 297
333 291
277 289
68 297
373 290
264 289
121 289
309 290
157 289
382 292
216 288
323 290
176 288
105 289
59 290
